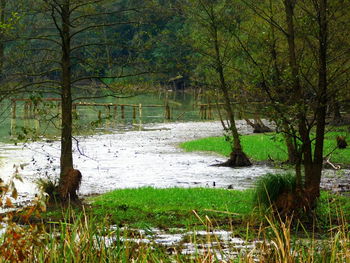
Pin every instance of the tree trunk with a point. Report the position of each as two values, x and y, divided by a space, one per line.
258 126
292 154
276 77
66 132
337 119
237 156
315 171
2 21
298 93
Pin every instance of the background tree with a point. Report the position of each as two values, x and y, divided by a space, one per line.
63 51
216 56
303 37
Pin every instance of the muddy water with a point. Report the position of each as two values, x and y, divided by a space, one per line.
130 158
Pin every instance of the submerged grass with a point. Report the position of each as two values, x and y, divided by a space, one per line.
261 147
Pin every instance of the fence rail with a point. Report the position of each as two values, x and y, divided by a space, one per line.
30 108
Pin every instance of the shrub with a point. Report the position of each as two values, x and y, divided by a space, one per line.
270 186
48 186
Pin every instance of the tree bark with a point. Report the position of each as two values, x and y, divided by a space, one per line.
276 77
337 118
312 160
258 126
292 154
66 132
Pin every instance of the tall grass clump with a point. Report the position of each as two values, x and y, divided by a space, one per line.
48 186
270 186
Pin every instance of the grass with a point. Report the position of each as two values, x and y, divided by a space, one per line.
270 186
172 207
87 236
88 239
261 147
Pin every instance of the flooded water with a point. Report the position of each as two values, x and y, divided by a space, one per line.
147 156
129 159
41 116
150 157
223 244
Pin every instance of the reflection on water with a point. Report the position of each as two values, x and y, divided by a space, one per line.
23 118
27 119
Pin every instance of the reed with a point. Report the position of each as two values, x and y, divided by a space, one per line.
84 237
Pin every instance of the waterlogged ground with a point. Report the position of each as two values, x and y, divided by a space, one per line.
223 244
148 156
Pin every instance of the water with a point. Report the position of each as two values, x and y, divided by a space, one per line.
223 244
136 152
129 159
89 119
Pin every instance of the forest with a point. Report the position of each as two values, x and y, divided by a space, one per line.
280 68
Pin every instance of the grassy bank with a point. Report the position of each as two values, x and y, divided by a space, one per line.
260 147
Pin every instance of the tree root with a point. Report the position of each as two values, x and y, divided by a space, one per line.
237 159
258 126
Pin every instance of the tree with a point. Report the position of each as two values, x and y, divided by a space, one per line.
8 20
2 26
60 38
216 51
305 39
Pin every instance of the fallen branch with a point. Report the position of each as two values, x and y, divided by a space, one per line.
335 167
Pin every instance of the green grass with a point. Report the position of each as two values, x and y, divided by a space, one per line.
80 235
260 147
257 146
172 207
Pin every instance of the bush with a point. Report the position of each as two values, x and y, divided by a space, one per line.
270 186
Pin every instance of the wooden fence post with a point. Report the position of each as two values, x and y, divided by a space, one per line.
167 112
140 111
13 109
134 112
122 107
